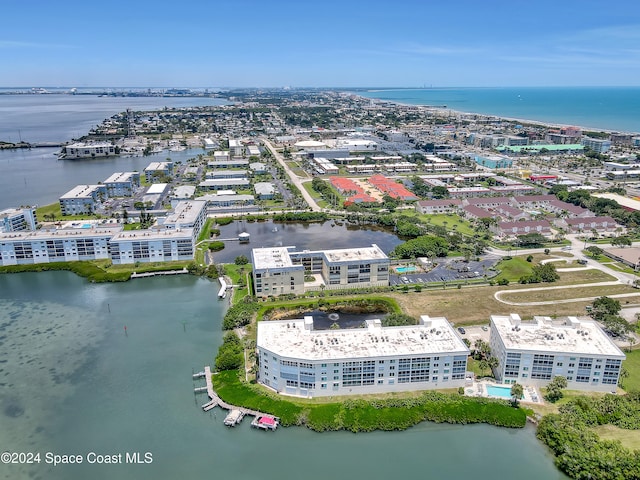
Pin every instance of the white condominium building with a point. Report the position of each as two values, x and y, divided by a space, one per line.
151 246
18 219
274 273
122 184
281 270
60 245
88 150
532 353
155 169
295 359
82 199
187 214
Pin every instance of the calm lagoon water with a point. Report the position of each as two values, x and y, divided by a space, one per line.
59 118
37 177
71 382
303 236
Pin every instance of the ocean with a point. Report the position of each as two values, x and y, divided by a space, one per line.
596 108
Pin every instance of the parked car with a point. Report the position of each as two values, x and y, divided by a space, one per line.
461 330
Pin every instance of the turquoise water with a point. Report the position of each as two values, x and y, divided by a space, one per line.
502 392
72 382
610 108
406 269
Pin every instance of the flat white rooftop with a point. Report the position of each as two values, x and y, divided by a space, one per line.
546 335
154 166
156 188
90 145
186 212
272 257
121 177
355 254
297 339
60 234
142 235
80 191
184 191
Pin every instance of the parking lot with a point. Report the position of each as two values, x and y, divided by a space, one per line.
449 270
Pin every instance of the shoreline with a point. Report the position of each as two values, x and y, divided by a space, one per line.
449 111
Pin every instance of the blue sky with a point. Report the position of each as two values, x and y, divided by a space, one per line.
274 43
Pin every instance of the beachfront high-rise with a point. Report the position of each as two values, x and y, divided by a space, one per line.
296 359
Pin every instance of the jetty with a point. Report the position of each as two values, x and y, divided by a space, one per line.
163 272
262 421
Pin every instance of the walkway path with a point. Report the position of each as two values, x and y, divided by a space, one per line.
217 401
499 294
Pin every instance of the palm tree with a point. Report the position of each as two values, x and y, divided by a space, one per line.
516 393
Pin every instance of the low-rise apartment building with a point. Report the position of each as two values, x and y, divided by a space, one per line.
296 359
532 353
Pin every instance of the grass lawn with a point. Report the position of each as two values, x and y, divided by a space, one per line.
394 412
629 438
632 365
238 273
43 213
454 304
316 196
564 293
513 269
463 226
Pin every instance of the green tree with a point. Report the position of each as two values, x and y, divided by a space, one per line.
594 251
603 306
616 325
554 389
516 393
241 260
440 192
419 247
621 242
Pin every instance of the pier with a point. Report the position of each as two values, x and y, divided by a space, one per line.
164 272
262 421
223 287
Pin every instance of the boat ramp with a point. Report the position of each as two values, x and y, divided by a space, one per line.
262 421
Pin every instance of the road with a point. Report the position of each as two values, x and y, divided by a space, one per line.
295 179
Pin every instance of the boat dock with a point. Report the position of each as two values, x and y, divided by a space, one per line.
164 272
223 288
263 421
233 418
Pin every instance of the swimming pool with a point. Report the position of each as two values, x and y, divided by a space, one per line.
406 269
86 225
496 391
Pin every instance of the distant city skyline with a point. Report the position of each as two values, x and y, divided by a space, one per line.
248 43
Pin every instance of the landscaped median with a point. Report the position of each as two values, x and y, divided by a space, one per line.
365 414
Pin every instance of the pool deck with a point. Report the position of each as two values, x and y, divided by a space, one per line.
478 389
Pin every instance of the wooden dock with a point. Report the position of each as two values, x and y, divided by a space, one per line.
164 272
263 421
